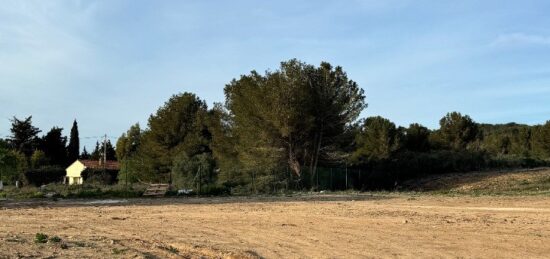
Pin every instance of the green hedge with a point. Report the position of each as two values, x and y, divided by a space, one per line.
45 175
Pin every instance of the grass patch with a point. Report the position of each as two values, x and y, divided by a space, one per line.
170 249
55 239
40 238
79 244
117 251
60 191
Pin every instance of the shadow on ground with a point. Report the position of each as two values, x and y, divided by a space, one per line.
37 203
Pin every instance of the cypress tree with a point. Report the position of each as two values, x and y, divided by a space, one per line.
74 144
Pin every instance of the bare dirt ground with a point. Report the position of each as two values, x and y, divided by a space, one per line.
327 226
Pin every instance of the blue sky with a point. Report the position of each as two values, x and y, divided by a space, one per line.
110 64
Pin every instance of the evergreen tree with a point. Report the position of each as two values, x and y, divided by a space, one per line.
293 116
127 147
85 154
377 139
129 142
73 148
179 126
24 136
97 152
110 151
53 144
458 131
417 138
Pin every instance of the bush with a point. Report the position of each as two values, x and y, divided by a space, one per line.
55 239
106 177
45 175
41 238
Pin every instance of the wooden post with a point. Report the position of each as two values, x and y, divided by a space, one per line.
346 176
331 185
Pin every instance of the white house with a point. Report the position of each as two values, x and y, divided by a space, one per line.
74 171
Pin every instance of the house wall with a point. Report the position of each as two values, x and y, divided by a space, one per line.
74 173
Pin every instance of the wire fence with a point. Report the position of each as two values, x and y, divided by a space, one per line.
333 179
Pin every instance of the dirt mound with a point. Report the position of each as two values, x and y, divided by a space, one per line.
531 181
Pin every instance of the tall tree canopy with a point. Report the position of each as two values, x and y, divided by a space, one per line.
85 154
179 126
295 114
128 144
9 163
73 149
457 130
377 139
53 145
104 149
127 148
24 136
417 138
541 140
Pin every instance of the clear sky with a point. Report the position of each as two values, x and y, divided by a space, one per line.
110 64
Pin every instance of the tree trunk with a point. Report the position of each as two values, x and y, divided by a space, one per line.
318 151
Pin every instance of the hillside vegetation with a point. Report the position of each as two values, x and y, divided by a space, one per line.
286 129
515 182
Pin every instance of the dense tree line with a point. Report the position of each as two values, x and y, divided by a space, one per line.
280 127
25 153
279 130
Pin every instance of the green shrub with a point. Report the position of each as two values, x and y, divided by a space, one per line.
55 239
41 238
44 175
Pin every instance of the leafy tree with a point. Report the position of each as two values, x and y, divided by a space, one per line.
179 126
127 152
416 138
291 116
39 159
222 143
73 149
378 139
9 171
507 139
21 165
5 160
458 131
4 144
541 140
128 144
24 136
53 144
193 172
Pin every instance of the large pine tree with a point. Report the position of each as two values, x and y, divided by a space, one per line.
73 148
295 115
24 136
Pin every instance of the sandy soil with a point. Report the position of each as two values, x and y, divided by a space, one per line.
356 226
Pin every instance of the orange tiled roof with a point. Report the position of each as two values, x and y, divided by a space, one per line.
95 164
